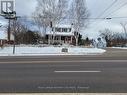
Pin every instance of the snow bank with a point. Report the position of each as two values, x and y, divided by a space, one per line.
120 47
49 51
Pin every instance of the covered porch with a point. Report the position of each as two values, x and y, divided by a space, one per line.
60 39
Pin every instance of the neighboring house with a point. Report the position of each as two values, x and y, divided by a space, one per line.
4 38
62 34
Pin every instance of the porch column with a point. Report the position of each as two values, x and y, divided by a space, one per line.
60 40
49 39
0 42
71 39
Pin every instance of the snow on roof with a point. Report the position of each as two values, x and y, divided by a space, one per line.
63 26
50 32
60 33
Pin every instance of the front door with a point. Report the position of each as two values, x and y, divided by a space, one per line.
66 40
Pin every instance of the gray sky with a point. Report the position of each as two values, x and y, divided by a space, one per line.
95 7
25 7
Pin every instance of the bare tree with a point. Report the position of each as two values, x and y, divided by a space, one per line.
78 16
49 12
108 35
19 29
119 39
124 24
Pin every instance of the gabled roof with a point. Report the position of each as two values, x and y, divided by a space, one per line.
63 26
50 32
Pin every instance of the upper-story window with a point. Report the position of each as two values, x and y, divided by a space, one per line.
69 29
58 29
64 29
61 29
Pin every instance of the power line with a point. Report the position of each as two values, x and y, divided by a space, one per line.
114 12
61 17
117 9
111 19
106 18
119 17
105 11
107 8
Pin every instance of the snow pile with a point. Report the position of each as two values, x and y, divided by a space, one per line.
85 51
120 47
50 51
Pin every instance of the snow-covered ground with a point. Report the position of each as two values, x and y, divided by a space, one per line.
120 47
29 50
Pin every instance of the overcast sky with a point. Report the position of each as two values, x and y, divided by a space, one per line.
95 7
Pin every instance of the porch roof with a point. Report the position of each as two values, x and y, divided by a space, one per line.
60 33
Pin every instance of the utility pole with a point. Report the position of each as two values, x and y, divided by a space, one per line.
11 16
14 30
7 11
9 28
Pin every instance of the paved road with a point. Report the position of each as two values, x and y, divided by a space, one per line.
102 73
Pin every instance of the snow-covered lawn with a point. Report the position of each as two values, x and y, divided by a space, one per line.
26 50
120 47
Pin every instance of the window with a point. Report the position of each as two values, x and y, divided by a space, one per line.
58 29
64 29
69 30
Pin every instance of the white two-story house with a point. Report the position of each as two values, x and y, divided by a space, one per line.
62 34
